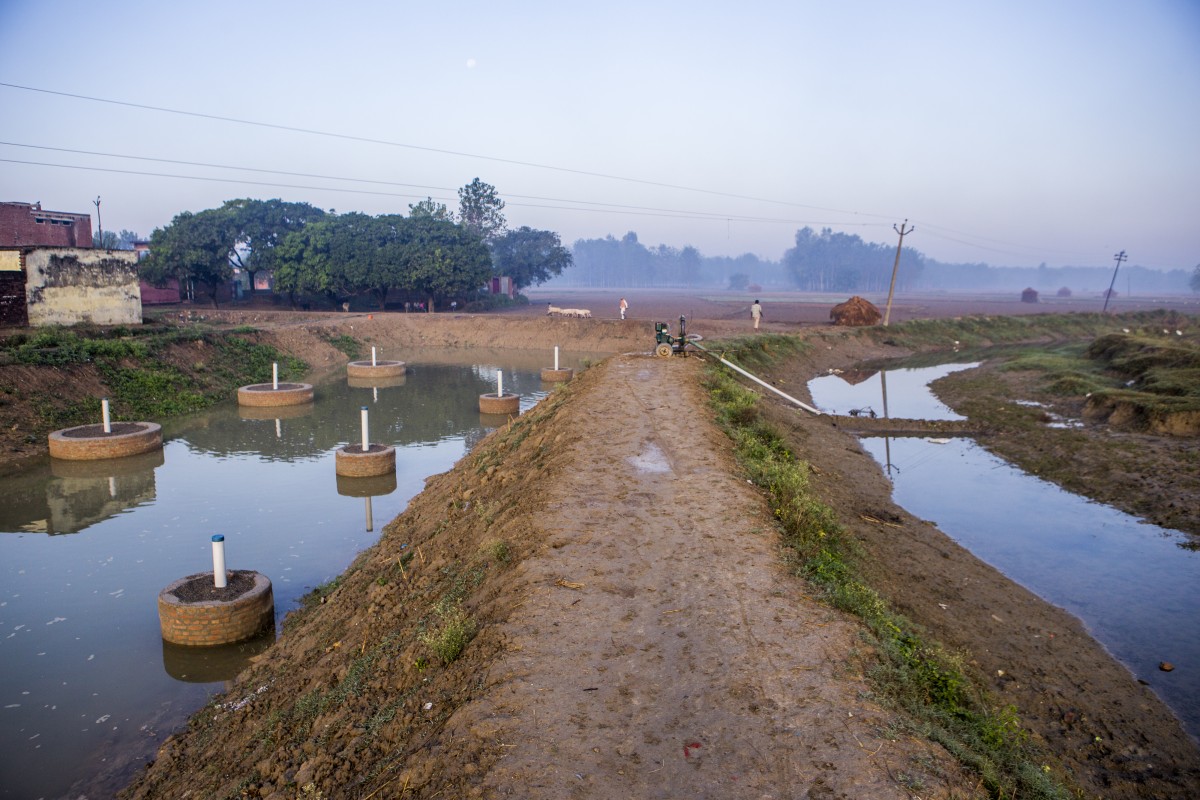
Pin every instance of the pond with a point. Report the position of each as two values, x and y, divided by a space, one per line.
1131 583
88 688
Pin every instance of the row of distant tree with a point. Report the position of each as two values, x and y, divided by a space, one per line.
432 255
825 261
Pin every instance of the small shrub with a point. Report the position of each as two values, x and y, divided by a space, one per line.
454 631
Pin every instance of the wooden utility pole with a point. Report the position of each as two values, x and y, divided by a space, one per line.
887 315
1119 257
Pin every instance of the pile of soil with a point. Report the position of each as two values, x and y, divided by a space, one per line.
200 589
855 312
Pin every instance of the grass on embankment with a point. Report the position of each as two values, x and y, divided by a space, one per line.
150 372
912 672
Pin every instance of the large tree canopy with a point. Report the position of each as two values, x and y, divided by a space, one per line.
356 254
194 247
207 246
261 225
529 256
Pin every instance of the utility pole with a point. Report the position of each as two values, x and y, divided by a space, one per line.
99 226
887 315
1119 257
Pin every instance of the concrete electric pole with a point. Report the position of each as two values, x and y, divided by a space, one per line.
887 315
1119 257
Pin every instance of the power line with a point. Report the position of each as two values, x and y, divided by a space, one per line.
461 154
631 208
667 213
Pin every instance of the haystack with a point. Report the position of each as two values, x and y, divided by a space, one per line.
855 312
1029 296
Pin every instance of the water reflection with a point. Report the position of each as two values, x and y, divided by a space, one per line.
58 496
858 392
87 687
1135 589
212 664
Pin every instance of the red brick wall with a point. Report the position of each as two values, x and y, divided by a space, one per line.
13 312
25 224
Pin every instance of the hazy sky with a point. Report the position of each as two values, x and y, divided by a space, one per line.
1010 132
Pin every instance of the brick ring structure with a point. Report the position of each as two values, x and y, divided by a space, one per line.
507 403
352 461
90 442
380 369
266 394
557 375
192 612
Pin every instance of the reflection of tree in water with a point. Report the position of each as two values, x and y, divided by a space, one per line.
436 402
70 496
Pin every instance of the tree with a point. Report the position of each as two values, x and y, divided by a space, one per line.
444 260
739 281
430 208
260 226
480 210
343 256
529 256
1195 281
194 247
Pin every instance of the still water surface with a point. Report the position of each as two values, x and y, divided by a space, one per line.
1131 583
88 689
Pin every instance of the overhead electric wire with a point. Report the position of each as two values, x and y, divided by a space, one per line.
441 151
603 207
715 216
619 210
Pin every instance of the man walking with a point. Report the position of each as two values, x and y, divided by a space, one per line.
756 313
624 305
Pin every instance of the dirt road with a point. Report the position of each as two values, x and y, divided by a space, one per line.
662 650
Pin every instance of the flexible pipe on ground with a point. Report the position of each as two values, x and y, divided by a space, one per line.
759 381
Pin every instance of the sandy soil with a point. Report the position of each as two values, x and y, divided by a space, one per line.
639 635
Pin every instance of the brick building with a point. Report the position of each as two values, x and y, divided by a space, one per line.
27 224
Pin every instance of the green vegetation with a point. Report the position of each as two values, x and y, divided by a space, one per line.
454 630
985 331
150 373
344 342
913 673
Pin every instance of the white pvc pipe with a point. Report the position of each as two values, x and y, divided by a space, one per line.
365 441
218 545
762 383
373 357
556 358
278 429
104 414
275 375
370 516
499 383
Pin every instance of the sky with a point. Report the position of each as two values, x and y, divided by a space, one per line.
1012 133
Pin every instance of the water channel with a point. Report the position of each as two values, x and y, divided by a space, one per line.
1131 583
88 688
